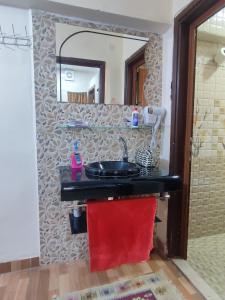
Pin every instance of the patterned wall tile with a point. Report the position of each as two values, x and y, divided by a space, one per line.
54 145
207 205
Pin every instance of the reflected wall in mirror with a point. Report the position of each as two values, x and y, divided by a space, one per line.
98 68
82 80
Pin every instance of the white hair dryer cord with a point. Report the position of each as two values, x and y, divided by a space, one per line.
160 112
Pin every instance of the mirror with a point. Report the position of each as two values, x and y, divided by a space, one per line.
95 66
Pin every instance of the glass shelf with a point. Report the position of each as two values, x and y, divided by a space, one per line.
105 127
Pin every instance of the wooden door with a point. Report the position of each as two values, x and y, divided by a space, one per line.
132 85
185 26
142 75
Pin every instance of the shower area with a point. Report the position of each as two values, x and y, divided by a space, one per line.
206 244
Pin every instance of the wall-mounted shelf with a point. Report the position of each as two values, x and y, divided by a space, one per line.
105 127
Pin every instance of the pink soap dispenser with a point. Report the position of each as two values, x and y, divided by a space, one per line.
76 159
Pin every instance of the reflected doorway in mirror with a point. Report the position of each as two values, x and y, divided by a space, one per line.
136 73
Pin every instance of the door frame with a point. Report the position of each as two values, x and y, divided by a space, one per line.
183 83
135 60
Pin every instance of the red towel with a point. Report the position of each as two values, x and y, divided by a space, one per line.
120 231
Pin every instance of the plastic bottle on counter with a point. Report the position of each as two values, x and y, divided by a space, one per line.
76 159
134 120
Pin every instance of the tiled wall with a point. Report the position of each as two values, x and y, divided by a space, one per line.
215 25
54 145
207 200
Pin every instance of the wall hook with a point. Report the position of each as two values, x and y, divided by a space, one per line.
14 39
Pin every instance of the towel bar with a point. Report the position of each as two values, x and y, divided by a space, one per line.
78 222
163 197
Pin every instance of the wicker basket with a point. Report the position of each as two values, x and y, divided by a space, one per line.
145 158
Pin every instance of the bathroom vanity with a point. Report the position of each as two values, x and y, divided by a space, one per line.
80 186
112 105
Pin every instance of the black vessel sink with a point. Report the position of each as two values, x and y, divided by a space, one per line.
112 169
78 185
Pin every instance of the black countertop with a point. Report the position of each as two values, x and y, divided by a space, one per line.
78 186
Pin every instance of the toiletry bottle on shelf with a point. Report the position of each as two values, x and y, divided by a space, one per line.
76 159
134 121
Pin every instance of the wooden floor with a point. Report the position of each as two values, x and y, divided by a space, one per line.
42 283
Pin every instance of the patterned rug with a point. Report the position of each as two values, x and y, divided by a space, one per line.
154 286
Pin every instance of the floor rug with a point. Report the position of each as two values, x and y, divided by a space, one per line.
154 286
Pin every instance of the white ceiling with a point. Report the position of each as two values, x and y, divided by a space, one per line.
151 10
89 14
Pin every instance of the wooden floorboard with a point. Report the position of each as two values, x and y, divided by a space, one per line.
44 282
19 265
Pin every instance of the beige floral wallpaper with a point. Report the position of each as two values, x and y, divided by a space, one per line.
54 145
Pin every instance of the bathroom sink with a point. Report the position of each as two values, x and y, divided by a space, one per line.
112 169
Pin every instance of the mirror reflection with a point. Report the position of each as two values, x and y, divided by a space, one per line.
96 68
82 80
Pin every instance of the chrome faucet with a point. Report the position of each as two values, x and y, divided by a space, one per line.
125 151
